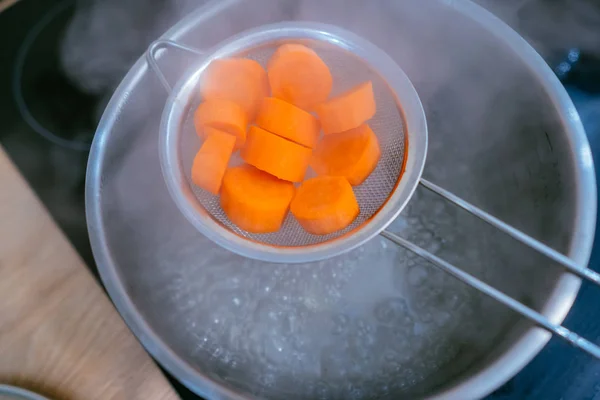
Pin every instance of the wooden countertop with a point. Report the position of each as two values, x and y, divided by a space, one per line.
59 333
4 4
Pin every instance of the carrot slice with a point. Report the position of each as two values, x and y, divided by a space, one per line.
353 154
325 205
288 121
254 200
276 155
299 76
348 110
223 115
211 160
240 80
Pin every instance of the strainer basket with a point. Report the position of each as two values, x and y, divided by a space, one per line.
400 125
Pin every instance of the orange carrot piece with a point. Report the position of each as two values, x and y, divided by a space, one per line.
348 110
299 76
254 200
223 115
211 160
276 155
240 80
288 121
353 154
325 205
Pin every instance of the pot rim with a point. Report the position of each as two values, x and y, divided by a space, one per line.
19 393
475 386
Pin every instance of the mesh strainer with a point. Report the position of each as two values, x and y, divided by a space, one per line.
400 126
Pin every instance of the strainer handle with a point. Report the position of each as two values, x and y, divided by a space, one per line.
164 44
516 234
532 315
483 287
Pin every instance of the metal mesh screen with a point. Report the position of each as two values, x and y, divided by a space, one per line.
388 124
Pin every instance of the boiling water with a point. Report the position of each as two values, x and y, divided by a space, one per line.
373 322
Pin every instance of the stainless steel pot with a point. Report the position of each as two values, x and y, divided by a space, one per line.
379 321
8 392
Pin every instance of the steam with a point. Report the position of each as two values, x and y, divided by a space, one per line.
467 75
106 37
476 110
552 26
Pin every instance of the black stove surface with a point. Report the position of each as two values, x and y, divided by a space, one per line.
46 126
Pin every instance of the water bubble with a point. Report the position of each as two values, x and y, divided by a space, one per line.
417 275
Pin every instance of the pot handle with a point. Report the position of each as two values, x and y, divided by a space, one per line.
165 44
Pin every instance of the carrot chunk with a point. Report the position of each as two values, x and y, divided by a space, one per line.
288 121
223 115
299 76
353 154
276 155
348 110
240 80
254 200
325 205
211 160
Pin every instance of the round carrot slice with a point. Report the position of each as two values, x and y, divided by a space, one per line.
240 80
325 205
254 200
211 160
348 110
353 154
299 76
276 155
223 115
288 121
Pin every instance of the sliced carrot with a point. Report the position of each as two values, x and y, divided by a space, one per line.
276 155
299 76
240 80
348 110
211 160
353 154
223 115
288 121
325 205
254 200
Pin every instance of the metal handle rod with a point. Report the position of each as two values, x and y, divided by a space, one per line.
534 316
527 240
163 44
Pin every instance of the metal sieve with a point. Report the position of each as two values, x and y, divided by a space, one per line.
400 126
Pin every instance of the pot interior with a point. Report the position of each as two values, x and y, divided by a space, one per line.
378 322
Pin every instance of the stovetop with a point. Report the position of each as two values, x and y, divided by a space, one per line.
47 123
